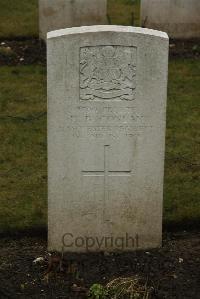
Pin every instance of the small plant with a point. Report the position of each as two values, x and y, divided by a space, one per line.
128 288
121 288
97 291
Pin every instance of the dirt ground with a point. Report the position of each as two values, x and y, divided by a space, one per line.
172 271
33 51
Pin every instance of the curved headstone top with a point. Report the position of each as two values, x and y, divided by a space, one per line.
106 28
107 93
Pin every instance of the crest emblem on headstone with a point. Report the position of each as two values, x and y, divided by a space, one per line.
108 73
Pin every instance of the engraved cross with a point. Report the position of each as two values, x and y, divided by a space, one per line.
106 173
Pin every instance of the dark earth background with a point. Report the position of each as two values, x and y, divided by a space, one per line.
172 271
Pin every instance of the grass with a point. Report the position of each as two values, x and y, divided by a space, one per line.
124 12
19 18
23 177
182 187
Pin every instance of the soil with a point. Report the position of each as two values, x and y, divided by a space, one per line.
33 51
184 48
172 271
22 52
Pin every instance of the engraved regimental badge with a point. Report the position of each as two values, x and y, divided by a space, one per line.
108 73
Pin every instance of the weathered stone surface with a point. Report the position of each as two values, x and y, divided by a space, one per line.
179 18
107 90
60 14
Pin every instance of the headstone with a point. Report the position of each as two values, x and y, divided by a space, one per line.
60 14
107 90
179 18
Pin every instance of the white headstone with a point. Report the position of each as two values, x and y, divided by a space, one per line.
179 18
107 89
60 14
